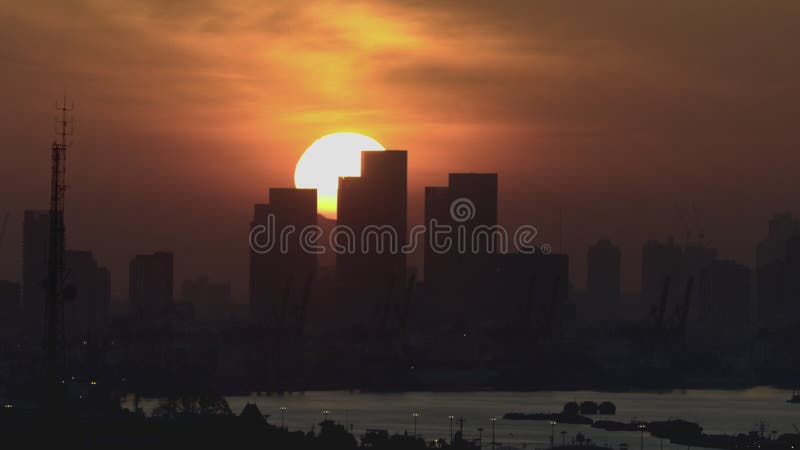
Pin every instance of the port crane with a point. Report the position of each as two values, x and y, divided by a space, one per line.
658 311
682 311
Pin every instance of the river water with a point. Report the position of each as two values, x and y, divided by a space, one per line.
717 411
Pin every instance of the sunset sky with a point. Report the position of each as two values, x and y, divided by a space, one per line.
613 112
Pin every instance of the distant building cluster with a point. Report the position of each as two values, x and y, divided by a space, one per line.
476 310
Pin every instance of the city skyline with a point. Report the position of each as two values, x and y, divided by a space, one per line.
612 123
400 224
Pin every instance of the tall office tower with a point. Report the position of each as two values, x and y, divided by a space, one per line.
660 261
280 268
532 293
211 300
373 208
258 267
776 273
35 232
603 274
88 312
9 303
782 226
724 304
151 288
460 264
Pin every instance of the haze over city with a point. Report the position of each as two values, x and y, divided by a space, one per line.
186 113
400 225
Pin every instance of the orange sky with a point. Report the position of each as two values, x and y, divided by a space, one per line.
613 112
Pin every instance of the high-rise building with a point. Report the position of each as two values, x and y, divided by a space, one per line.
531 292
210 299
281 268
782 226
35 238
468 201
9 302
460 265
259 265
667 260
723 304
603 274
87 313
660 261
151 288
372 215
777 272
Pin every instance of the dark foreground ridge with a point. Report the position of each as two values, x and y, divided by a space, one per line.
203 421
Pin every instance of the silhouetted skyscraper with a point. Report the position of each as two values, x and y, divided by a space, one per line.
9 303
773 248
460 279
259 266
669 260
603 274
374 207
659 262
35 238
211 300
282 272
88 312
532 291
723 304
777 272
151 288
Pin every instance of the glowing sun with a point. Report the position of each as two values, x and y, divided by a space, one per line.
328 158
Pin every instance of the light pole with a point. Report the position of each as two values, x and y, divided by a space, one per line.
452 418
641 436
325 413
480 437
552 433
283 414
414 416
494 443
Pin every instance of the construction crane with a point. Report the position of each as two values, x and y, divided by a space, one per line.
686 229
658 313
701 235
684 309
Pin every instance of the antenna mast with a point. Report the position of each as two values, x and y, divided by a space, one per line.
55 362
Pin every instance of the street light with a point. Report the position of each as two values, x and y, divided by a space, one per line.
552 433
494 443
452 418
414 416
641 436
325 413
283 414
